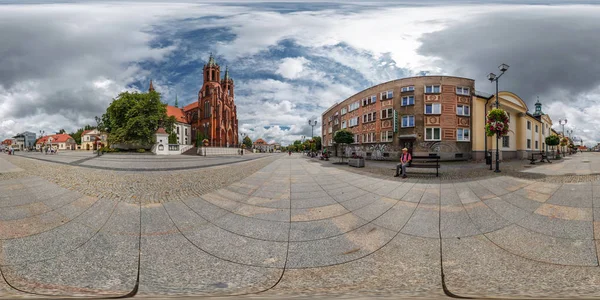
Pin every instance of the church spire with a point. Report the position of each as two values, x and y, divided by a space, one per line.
538 108
176 104
226 73
211 60
151 88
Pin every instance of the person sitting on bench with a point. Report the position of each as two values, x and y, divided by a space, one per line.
405 159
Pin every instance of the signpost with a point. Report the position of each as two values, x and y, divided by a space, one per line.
395 121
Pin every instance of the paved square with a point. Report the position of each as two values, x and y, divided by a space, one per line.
282 225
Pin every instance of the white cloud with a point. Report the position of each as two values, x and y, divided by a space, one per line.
291 68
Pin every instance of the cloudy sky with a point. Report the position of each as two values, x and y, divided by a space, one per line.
62 63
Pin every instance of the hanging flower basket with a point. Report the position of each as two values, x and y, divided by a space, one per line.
205 142
497 123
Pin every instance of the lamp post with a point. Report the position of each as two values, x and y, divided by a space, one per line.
312 125
563 122
493 77
569 132
42 132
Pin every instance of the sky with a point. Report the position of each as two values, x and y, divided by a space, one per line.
62 63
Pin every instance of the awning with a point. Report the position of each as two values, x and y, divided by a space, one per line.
407 137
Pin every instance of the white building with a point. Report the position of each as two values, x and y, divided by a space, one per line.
183 129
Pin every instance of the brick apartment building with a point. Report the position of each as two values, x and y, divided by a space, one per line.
424 114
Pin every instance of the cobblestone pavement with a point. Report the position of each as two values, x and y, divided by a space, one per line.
285 225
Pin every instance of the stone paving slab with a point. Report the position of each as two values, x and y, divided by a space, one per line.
7 167
475 267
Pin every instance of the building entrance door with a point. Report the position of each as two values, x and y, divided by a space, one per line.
408 144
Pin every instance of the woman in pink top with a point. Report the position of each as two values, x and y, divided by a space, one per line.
405 159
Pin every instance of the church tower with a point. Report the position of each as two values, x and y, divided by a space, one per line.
151 88
538 108
212 71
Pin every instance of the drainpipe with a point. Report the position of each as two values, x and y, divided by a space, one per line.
484 122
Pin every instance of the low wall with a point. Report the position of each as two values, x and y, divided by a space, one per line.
217 151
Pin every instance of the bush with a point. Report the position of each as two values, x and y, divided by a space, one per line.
106 149
141 150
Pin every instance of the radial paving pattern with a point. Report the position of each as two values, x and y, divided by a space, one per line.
301 227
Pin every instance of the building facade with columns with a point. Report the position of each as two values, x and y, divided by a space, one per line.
527 131
214 114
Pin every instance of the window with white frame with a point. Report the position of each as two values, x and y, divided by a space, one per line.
543 129
408 88
356 138
387 113
463 134
536 145
336 121
536 130
460 90
365 101
353 106
370 117
408 100
369 137
528 125
344 110
408 121
387 95
373 99
387 136
463 110
433 108
506 141
432 89
330 129
528 143
353 122
344 124
433 134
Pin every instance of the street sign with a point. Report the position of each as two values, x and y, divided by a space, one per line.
395 121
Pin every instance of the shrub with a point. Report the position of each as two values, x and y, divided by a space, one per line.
141 150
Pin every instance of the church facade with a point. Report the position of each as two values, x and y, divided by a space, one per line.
214 115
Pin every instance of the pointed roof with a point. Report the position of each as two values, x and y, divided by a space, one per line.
226 73
211 60
177 113
151 88
161 131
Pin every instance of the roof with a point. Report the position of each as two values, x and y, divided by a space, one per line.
190 106
260 141
56 138
7 142
161 130
483 94
177 113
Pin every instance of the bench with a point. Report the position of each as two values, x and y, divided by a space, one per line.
430 162
543 155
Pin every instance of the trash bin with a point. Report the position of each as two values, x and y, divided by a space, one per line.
488 158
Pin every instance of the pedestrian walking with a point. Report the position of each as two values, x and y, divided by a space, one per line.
405 159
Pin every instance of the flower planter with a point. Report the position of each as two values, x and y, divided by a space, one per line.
356 162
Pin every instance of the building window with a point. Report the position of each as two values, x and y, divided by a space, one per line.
408 100
356 138
408 88
353 106
343 124
369 137
506 141
387 95
543 130
387 136
433 134
463 110
365 101
408 121
387 113
373 99
353 122
330 129
536 145
186 131
370 117
344 110
528 125
536 129
462 90
528 143
336 121
432 109
177 129
463 134
432 89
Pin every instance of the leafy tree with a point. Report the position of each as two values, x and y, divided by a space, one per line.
77 134
247 142
343 137
552 140
62 131
318 144
133 118
173 138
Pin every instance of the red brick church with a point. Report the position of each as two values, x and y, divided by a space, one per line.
214 115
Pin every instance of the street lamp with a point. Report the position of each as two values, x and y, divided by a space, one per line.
563 122
493 77
42 132
312 125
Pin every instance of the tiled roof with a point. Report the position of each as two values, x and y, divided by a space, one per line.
177 113
86 131
161 130
56 138
191 106
260 141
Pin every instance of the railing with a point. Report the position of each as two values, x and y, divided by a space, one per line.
173 147
186 148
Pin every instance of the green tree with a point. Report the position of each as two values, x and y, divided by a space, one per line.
553 140
62 131
77 134
343 137
318 144
133 118
173 138
247 142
